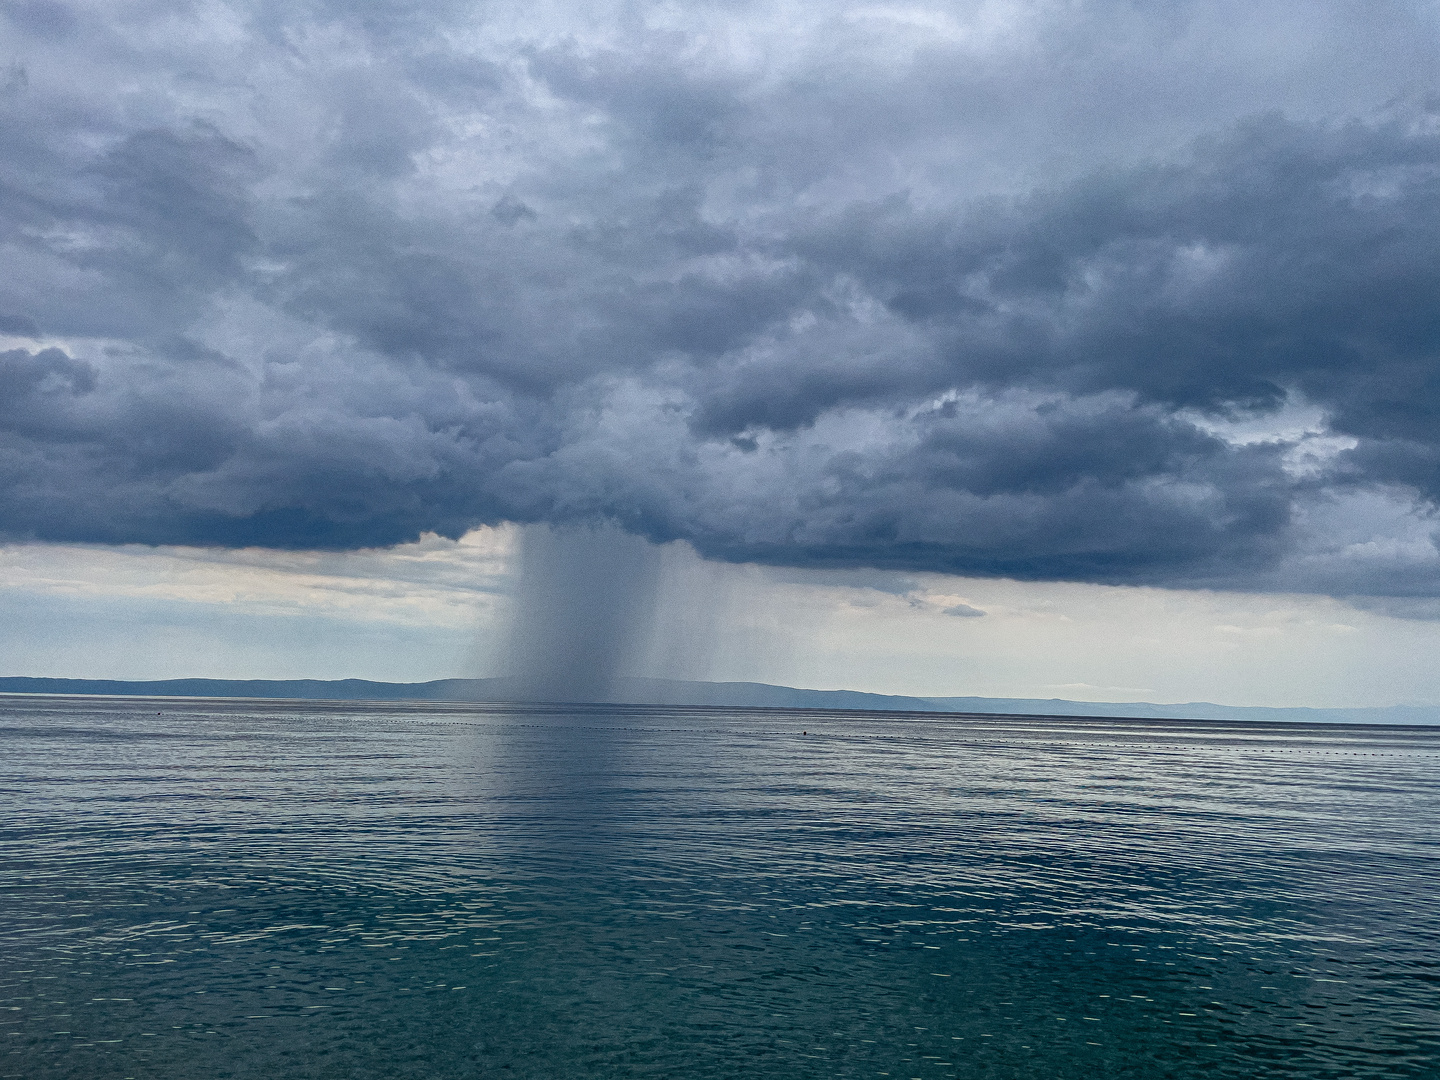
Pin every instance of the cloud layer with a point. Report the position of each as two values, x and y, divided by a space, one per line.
1122 293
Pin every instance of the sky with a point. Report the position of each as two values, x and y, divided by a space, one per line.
1036 349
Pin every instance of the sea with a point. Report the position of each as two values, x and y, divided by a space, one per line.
198 888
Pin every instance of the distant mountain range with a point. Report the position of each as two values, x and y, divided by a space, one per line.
677 692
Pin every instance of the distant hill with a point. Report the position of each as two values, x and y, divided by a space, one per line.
677 692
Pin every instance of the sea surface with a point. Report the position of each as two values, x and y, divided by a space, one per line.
218 888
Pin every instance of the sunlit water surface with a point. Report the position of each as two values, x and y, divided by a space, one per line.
199 888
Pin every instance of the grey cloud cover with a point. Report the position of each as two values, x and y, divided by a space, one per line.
1119 292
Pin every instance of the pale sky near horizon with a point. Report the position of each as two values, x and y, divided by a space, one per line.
436 609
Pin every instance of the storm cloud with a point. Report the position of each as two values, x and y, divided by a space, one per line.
1121 292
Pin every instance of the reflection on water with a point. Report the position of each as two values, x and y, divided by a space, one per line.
288 889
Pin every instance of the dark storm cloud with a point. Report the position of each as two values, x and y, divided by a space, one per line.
43 18
1102 292
19 326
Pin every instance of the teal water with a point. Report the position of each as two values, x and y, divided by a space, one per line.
353 890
